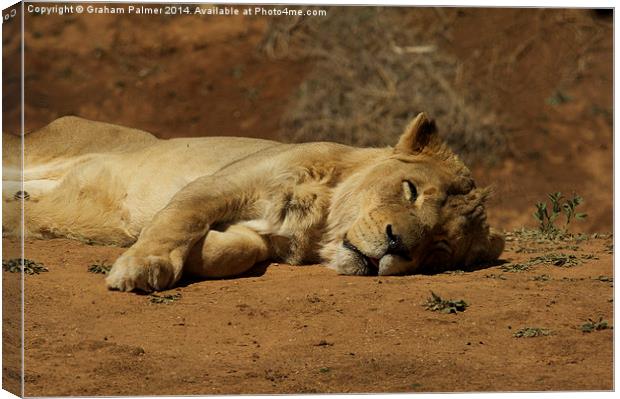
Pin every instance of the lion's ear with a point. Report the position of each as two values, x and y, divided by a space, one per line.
417 135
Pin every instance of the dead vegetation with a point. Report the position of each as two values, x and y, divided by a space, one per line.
29 266
164 299
374 69
100 267
437 304
531 332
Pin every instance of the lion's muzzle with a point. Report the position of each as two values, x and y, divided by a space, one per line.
379 249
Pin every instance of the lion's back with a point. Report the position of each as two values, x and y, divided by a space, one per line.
73 136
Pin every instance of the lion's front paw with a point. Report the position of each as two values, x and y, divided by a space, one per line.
149 273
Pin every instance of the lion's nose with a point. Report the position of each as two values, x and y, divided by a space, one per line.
395 244
393 239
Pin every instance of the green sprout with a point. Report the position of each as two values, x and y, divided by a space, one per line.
547 217
592 325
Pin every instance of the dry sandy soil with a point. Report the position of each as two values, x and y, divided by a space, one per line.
285 329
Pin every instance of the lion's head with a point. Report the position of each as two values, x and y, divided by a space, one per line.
414 209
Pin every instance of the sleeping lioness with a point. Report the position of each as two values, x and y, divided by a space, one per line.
214 206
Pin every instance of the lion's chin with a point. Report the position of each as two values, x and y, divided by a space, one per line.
348 261
395 266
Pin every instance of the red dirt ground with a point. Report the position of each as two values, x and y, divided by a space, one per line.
303 329
286 329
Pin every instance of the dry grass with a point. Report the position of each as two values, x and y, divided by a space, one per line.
373 71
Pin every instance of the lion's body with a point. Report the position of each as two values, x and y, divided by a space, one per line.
110 175
216 204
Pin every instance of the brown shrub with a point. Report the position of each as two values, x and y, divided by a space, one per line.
374 69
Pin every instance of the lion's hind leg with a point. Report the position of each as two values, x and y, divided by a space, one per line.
86 205
227 253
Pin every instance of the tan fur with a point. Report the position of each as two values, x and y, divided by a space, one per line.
214 207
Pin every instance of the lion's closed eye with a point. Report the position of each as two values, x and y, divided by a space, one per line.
410 191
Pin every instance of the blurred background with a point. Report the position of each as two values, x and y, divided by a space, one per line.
523 95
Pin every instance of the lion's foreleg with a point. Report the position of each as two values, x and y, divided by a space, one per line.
155 261
227 253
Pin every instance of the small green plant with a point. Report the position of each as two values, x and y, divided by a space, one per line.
558 259
164 299
436 304
592 325
325 369
555 259
100 267
530 332
515 267
559 205
30 266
